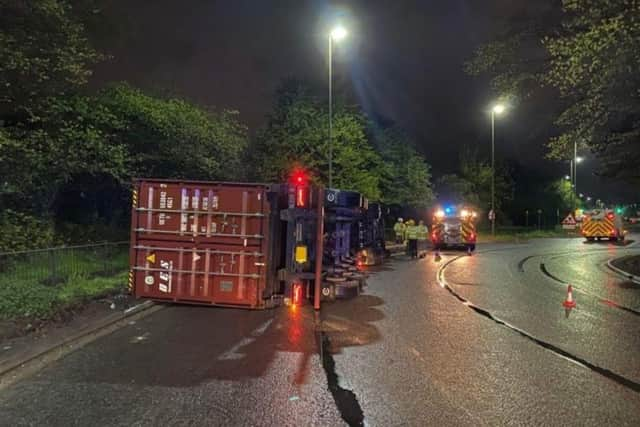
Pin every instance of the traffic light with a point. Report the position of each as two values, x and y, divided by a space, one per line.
619 210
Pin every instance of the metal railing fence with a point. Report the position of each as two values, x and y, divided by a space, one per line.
55 266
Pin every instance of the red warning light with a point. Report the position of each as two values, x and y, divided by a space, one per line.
610 215
299 177
300 180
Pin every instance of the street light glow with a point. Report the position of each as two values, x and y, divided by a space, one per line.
567 177
498 108
338 33
579 159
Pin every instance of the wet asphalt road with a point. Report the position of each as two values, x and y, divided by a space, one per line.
184 366
407 352
415 354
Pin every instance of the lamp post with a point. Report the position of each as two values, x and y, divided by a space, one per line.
497 109
576 160
337 33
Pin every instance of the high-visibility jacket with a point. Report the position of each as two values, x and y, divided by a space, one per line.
412 232
423 232
399 229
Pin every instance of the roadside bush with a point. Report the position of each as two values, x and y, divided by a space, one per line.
23 232
18 300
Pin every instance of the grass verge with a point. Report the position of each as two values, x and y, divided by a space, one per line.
42 285
629 264
521 236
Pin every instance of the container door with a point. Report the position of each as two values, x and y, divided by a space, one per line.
201 212
212 274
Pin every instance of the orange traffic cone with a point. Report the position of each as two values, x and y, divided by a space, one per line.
569 302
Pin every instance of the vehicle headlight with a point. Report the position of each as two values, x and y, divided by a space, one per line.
440 213
464 213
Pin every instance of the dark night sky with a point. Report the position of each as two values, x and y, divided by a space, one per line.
402 60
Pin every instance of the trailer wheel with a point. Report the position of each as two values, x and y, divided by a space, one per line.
590 239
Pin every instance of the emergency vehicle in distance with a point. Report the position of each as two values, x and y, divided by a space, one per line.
454 226
602 224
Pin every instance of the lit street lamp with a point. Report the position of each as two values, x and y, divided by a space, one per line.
337 33
496 109
567 177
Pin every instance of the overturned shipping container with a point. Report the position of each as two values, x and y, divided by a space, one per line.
217 243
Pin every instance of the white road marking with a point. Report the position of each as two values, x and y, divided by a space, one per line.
232 353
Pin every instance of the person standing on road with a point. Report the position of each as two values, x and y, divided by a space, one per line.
412 237
405 238
423 234
399 230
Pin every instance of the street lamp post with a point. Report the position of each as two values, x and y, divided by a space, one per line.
337 34
497 109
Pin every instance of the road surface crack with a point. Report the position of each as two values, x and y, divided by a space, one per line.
346 400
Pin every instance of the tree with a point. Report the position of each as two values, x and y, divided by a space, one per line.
64 151
562 195
171 138
406 180
38 157
594 61
297 135
473 183
588 53
455 189
43 54
96 144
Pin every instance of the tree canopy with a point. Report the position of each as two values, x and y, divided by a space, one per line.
297 135
406 179
473 184
380 163
44 53
588 52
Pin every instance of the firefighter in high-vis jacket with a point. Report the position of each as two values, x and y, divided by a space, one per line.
412 239
423 235
399 229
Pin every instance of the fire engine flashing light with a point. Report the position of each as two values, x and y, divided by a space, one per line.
610 215
464 213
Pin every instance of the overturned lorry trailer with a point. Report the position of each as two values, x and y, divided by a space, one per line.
343 238
219 243
371 248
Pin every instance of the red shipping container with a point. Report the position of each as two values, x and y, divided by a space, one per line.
205 242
